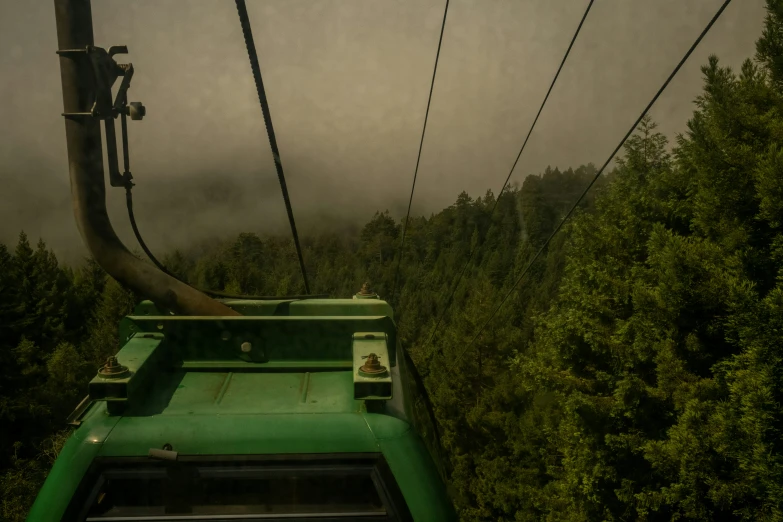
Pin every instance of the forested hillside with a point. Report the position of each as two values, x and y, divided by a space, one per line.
635 374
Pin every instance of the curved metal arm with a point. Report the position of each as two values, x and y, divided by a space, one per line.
88 189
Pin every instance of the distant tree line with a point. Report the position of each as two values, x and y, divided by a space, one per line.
57 324
636 373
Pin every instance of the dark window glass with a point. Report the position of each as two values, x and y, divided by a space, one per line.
132 489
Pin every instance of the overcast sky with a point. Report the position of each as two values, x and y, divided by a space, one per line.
347 82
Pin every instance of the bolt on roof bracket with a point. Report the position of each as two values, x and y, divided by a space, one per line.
371 377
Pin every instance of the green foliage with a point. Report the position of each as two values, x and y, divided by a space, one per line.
20 482
56 327
769 48
634 374
660 347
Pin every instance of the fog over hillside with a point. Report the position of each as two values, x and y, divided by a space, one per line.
347 82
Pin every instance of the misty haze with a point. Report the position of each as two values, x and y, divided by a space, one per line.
598 341
347 82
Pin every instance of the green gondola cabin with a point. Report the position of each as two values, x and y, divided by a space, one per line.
296 410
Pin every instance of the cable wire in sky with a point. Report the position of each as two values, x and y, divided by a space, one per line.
256 68
418 158
505 183
598 174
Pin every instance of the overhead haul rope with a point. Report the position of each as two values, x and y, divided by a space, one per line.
505 183
270 131
256 68
418 158
213 293
614 153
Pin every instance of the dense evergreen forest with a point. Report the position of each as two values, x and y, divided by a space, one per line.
636 373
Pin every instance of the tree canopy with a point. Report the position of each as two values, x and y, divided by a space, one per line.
635 373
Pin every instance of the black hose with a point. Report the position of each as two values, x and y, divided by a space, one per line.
213 293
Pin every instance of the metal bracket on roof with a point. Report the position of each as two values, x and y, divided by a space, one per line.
105 71
371 377
75 418
139 360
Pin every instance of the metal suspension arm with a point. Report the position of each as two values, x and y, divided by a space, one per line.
88 189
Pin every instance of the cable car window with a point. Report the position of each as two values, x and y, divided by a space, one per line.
203 489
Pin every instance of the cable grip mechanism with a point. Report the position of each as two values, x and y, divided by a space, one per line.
105 72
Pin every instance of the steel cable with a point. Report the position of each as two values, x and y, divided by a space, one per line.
256 68
505 183
418 158
598 174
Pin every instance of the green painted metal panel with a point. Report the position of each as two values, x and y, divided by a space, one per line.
74 459
386 427
320 307
421 485
302 307
267 366
192 434
197 390
262 393
412 467
96 425
278 380
141 355
265 338
371 386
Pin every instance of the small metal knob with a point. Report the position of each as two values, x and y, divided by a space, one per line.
372 367
136 110
113 368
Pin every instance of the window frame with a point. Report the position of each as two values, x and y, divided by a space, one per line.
372 464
